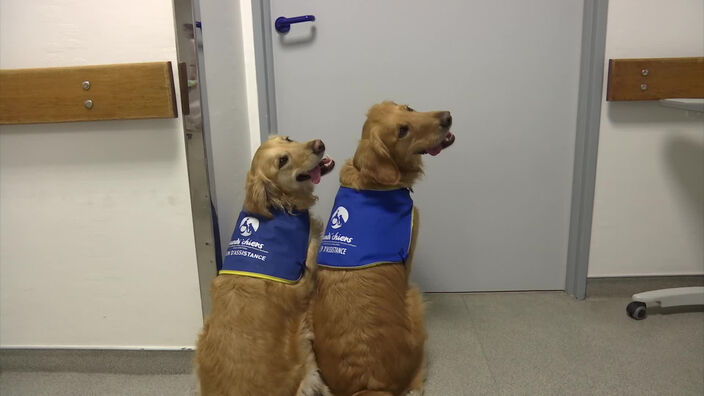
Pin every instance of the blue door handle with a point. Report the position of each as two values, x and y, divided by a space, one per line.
283 24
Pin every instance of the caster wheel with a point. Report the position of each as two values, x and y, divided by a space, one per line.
636 310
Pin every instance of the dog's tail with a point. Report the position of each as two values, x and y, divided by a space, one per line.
373 393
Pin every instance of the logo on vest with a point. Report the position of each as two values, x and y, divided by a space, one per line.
339 217
248 226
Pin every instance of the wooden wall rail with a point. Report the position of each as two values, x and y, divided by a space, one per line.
87 93
655 78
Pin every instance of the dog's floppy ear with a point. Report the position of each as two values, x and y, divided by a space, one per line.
374 161
256 200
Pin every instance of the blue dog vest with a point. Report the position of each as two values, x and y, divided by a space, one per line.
273 249
367 228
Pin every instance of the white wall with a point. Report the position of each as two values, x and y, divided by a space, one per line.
649 202
96 236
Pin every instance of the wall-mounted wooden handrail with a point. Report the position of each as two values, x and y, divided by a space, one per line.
87 93
655 78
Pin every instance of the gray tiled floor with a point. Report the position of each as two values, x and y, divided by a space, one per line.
495 344
73 384
552 344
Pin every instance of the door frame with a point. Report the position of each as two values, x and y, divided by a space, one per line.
196 157
264 64
591 83
587 126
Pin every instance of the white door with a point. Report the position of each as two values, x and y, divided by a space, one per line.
495 206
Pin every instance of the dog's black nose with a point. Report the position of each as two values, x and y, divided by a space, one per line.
445 119
318 146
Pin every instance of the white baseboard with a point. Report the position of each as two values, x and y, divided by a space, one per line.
624 286
647 274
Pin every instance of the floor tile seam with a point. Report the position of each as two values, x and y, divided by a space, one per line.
481 345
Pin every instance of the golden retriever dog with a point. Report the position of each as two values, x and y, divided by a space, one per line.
257 339
368 321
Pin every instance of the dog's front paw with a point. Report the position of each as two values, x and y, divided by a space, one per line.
314 385
415 392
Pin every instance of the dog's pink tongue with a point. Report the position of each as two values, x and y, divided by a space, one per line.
315 175
435 150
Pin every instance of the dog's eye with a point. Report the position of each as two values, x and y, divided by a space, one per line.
402 131
288 139
283 161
